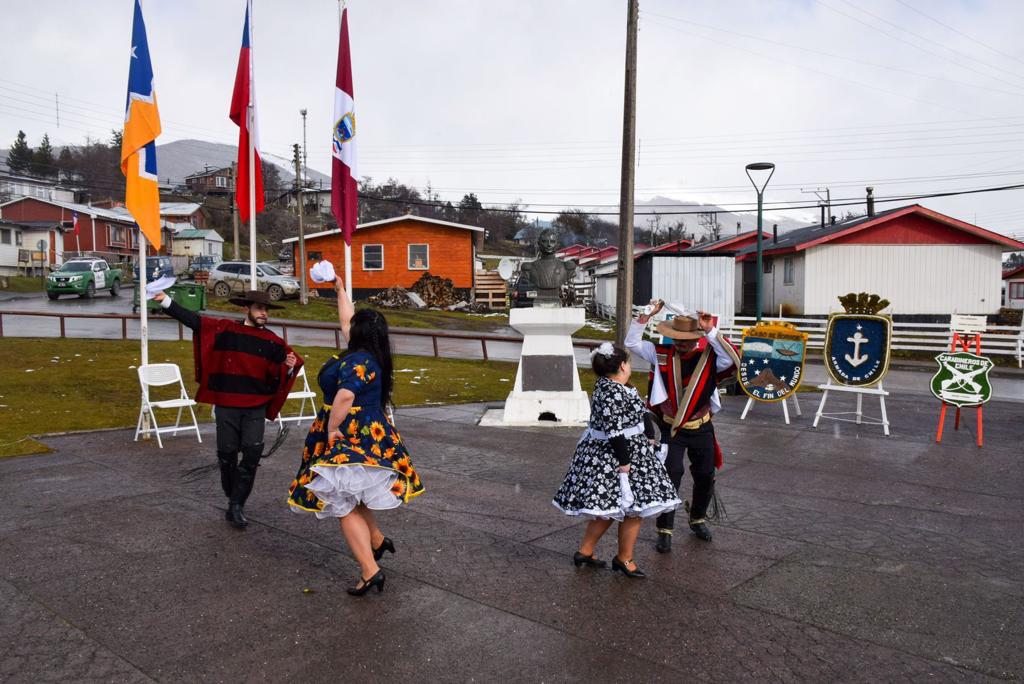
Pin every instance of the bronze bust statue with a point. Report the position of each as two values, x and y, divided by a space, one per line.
547 273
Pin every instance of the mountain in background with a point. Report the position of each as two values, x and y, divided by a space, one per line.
728 220
182 158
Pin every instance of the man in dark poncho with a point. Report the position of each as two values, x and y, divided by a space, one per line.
246 372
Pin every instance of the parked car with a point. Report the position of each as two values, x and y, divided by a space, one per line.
156 267
83 277
202 263
232 277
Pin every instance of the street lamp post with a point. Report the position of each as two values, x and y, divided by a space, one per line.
770 168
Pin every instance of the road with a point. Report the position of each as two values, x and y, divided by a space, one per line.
1006 384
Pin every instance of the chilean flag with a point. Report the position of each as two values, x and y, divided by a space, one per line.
344 199
244 117
74 221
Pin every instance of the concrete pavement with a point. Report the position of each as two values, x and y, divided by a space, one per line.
846 556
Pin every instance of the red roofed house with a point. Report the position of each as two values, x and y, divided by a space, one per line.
1013 281
396 251
923 261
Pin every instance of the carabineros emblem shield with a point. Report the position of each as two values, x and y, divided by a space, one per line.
772 360
857 348
962 379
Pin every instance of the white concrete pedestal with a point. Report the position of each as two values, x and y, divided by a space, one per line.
547 389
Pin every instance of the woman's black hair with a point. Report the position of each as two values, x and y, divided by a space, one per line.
608 365
368 332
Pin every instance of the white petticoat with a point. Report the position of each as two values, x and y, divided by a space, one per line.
621 513
340 488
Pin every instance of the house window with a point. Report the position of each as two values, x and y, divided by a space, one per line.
419 257
118 235
787 271
5 236
1017 290
17 238
766 265
314 256
373 257
222 182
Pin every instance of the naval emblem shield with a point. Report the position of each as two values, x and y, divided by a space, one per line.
772 360
857 348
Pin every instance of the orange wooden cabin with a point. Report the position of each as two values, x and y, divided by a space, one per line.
395 251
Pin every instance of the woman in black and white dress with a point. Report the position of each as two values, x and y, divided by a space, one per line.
614 473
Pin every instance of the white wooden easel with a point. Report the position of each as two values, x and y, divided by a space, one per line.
860 392
785 408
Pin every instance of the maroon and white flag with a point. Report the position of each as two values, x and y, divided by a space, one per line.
344 200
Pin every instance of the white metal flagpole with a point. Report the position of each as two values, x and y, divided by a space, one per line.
251 123
141 285
348 271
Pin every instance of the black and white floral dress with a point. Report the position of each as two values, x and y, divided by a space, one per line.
591 488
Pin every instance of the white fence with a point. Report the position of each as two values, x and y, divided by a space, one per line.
998 340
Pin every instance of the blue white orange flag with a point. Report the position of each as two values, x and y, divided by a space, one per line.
138 143
344 192
243 113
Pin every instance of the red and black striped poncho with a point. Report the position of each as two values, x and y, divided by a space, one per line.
241 366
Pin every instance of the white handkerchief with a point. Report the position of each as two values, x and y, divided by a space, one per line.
626 498
159 286
663 453
322 272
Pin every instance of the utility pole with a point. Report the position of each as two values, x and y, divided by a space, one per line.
624 289
234 212
300 268
825 201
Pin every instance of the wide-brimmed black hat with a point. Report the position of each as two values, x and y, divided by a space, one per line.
255 297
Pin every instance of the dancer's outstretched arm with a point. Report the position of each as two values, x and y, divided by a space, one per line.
345 308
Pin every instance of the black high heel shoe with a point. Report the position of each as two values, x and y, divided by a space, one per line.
366 584
579 559
624 569
386 545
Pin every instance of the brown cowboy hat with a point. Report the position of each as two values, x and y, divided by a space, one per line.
254 297
680 328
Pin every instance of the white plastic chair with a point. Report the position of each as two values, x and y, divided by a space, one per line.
161 374
305 394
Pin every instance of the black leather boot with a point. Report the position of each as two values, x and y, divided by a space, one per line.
245 477
664 523
699 527
227 461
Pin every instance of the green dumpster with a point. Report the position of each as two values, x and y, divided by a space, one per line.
191 296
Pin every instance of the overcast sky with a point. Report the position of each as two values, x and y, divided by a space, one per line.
523 100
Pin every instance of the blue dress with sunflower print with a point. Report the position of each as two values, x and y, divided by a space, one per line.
370 464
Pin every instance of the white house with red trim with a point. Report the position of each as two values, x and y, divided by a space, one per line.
1013 284
923 261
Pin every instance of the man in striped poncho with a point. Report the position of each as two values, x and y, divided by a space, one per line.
246 372
683 394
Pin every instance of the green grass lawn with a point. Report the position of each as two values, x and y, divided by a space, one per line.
326 310
54 385
22 284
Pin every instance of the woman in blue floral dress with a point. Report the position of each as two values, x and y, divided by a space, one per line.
354 461
614 473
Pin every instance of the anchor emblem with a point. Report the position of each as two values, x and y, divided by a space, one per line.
857 339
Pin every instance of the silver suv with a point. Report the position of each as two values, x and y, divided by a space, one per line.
232 277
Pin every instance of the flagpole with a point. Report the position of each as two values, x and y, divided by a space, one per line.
348 247
141 285
252 161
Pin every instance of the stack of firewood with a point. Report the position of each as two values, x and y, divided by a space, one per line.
435 291
391 298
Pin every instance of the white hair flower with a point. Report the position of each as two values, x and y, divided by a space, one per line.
604 349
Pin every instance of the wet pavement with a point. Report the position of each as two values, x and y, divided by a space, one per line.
846 556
